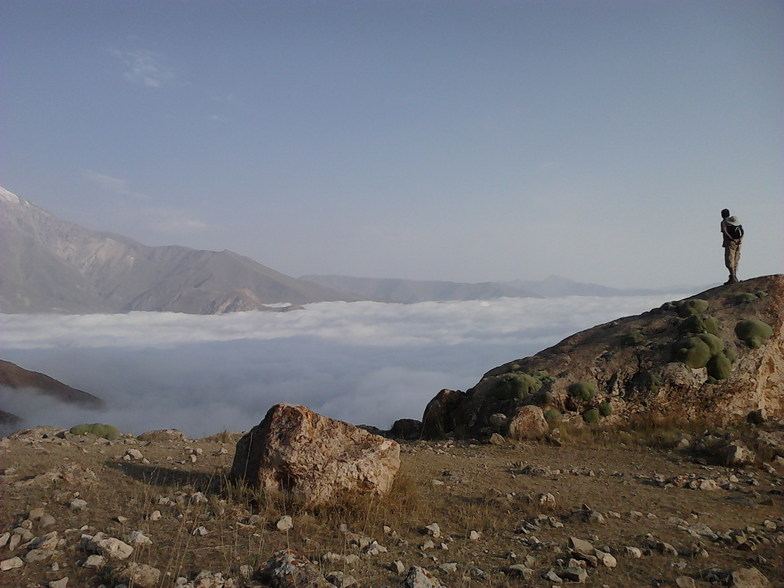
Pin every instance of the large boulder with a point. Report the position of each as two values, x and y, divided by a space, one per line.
528 422
314 458
439 416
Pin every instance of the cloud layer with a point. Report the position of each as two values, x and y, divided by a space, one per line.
361 362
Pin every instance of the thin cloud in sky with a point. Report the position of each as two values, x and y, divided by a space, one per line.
166 221
145 67
362 362
112 185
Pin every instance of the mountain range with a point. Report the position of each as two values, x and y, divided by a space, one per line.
50 265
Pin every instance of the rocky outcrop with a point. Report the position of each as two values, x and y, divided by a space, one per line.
717 356
314 458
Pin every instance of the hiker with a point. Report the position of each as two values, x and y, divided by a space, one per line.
732 235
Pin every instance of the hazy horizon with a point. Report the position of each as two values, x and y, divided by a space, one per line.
362 362
459 141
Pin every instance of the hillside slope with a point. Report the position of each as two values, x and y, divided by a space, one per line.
50 265
24 382
699 358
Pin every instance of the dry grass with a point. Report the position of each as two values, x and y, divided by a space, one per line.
461 486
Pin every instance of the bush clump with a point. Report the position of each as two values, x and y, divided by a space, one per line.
552 416
754 333
719 367
605 408
699 324
714 343
646 380
694 352
109 432
745 298
684 308
518 386
582 391
591 416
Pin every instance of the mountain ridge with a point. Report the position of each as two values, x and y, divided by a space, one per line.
52 265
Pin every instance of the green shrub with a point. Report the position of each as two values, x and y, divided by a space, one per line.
685 308
634 338
552 416
98 429
591 416
517 386
762 294
699 324
694 352
605 408
745 298
546 398
719 367
754 333
582 390
715 344
731 354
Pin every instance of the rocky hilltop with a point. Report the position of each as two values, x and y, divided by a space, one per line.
51 265
717 356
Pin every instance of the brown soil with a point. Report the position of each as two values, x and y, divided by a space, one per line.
462 486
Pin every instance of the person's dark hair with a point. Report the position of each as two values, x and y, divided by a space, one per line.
725 213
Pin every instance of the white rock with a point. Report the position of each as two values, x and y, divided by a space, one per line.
133 455
61 583
285 523
433 530
94 562
474 535
11 564
607 559
137 539
633 552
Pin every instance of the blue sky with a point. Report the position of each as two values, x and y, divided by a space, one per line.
464 141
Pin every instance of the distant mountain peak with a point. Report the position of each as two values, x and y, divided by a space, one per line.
8 196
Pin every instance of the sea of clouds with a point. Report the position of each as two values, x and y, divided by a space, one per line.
361 362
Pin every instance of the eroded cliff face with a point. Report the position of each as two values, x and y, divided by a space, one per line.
684 360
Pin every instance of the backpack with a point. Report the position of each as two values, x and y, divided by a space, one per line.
735 231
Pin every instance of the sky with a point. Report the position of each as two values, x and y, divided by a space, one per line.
451 140
360 362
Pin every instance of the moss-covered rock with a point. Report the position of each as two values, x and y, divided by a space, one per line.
552 416
745 298
691 306
754 333
719 367
591 416
699 324
714 343
582 391
693 351
98 429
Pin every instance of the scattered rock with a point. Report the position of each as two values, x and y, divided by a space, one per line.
420 578
285 523
11 564
748 578
141 575
288 569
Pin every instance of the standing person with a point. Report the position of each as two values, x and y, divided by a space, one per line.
732 236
